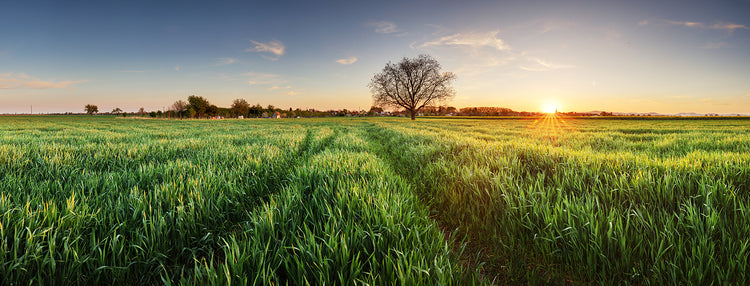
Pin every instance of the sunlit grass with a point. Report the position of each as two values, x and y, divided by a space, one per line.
352 201
117 201
603 201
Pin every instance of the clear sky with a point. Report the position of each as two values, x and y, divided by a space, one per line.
624 56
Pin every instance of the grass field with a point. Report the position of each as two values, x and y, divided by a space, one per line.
374 201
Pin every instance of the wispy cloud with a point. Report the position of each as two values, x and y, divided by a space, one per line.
347 61
536 64
687 24
24 81
292 92
177 68
384 27
131 71
643 23
485 50
274 47
225 61
729 27
472 40
255 78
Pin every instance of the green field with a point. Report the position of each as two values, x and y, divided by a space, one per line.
102 200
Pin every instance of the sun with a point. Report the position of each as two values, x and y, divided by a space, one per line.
549 107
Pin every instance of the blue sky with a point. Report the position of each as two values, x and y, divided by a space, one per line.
626 56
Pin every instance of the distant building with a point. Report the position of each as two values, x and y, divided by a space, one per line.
276 114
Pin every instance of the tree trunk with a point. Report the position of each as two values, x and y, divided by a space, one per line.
413 114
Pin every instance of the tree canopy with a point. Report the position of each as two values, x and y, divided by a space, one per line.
199 105
91 109
412 84
240 107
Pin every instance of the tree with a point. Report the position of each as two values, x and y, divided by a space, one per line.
412 84
375 110
141 111
240 107
256 110
117 111
199 104
179 107
91 109
212 110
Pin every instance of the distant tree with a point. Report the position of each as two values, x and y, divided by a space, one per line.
117 111
199 104
91 109
141 111
152 114
240 107
270 109
374 110
191 112
412 84
256 110
212 110
179 107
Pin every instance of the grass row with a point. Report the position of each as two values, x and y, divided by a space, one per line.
237 202
550 213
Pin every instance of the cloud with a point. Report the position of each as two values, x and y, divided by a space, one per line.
729 27
472 40
536 64
131 71
24 81
715 45
687 24
292 92
254 78
384 27
225 61
177 68
275 87
642 23
347 61
274 47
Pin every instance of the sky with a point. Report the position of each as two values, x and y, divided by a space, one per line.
621 56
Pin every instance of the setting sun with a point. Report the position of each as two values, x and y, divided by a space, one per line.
549 107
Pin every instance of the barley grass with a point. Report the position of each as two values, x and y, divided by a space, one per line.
100 200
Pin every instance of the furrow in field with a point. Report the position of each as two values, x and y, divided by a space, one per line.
559 214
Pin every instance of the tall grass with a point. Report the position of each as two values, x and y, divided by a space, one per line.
103 201
587 201
358 201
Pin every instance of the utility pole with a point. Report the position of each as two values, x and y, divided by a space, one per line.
32 110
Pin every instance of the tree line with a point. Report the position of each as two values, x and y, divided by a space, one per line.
412 86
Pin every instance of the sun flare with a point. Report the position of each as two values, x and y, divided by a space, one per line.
549 108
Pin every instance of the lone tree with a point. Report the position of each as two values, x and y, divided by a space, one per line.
412 84
240 107
91 109
179 107
199 104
